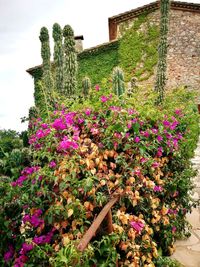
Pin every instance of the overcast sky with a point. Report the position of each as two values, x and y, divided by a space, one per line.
20 23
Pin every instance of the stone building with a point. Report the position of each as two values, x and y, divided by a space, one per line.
183 51
183 39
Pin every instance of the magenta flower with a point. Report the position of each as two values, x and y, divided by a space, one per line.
32 139
159 152
155 165
159 138
40 178
80 120
143 160
52 164
115 108
9 254
127 135
173 229
173 125
26 248
94 131
137 139
138 226
154 131
88 111
118 135
137 172
175 143
134 120
27 171
30 170
67 144
104 99
145 134
129 125
43 239
131 111
58 124
166 123
38 212
178 111
97 87
115 144
157 188
42 133
20 262
34 220
44 125
69 118
179 136
171 211
19 181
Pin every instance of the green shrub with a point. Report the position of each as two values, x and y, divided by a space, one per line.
82 157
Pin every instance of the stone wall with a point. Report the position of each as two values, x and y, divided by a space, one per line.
183 51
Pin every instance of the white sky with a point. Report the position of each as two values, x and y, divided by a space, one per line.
20 23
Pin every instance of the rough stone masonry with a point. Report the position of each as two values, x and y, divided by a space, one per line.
183 50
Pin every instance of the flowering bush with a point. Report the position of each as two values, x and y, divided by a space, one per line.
82 159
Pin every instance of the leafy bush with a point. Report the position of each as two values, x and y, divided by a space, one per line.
14 154
82 157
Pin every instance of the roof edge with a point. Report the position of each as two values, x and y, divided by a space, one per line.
87 50
194 7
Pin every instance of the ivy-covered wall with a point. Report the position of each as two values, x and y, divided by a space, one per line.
98 63
138 48
135 52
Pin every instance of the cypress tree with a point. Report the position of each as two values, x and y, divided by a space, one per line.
86 85
162 50
118 81
70 62
58 57
46 54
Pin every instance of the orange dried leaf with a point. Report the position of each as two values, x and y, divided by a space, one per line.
70 212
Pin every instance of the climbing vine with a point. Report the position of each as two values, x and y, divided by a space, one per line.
135 52
138 49
162 51
98 63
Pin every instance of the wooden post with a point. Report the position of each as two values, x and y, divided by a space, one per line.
97 222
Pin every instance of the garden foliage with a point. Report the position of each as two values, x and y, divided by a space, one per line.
14 153
85 155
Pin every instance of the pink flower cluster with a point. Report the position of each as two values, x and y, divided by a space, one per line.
43 239
23 258
9 254
67 144
137 226
25 174
34 219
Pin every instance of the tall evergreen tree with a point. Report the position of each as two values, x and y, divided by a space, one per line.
118 81
46 55
58 57
162 50
70 62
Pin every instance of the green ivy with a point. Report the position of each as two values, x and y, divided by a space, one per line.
135 52
97 64
138 49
